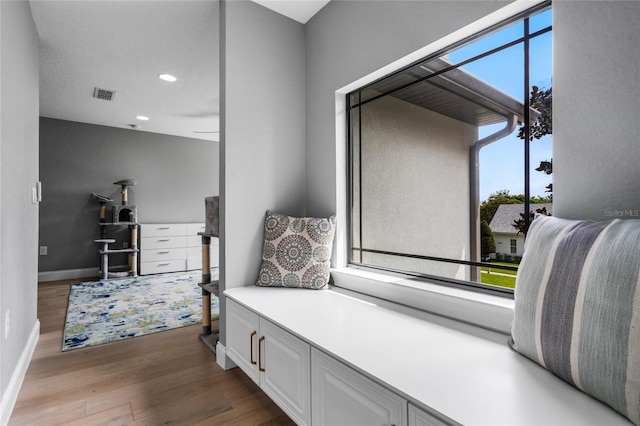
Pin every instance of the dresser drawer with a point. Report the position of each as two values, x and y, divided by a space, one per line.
194 228
163 229
196 240
172 247
162 266
160 254
194 252
164 242
194 263
215 256
194 257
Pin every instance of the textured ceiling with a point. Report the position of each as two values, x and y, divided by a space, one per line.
123 46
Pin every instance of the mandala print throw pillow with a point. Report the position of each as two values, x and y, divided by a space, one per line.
296 251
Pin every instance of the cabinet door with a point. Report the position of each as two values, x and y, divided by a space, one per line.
418 417
342 396
242 338
285 371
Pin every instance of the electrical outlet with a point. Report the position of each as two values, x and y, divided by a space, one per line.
34 195
44 250
7 317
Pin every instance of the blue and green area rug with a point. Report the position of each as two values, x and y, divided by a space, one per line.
111 310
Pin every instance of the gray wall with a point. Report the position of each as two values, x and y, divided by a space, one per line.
174 175
262 132
596 109
19 71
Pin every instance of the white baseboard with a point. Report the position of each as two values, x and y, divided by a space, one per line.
221 358
67 274
10 395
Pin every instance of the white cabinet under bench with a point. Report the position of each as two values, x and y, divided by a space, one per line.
333 359
173 247
344 397
274 359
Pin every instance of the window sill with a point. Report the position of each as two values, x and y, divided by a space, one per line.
483 310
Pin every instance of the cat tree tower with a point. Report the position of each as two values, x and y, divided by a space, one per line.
122 215
211 229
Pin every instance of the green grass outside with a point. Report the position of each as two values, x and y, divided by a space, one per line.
502 271
499 280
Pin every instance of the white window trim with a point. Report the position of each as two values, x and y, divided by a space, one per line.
481 309
493 312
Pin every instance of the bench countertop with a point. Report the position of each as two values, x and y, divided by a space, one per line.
463 372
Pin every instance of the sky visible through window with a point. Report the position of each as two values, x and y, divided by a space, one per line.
501 165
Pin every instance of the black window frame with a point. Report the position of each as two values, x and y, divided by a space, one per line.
468 285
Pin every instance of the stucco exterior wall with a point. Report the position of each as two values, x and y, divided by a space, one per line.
427 155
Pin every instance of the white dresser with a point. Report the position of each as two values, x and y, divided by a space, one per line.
172 247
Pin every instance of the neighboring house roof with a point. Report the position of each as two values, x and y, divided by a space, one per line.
506 214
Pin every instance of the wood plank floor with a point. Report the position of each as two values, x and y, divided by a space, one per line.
163 378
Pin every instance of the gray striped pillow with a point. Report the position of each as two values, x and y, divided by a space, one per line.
577 306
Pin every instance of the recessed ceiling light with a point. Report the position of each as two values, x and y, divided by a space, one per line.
167 77
142 117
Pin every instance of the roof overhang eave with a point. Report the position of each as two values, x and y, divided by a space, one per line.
467 87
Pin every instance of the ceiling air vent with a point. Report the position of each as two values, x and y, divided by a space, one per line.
103 94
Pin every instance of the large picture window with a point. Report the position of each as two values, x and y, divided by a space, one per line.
436 149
